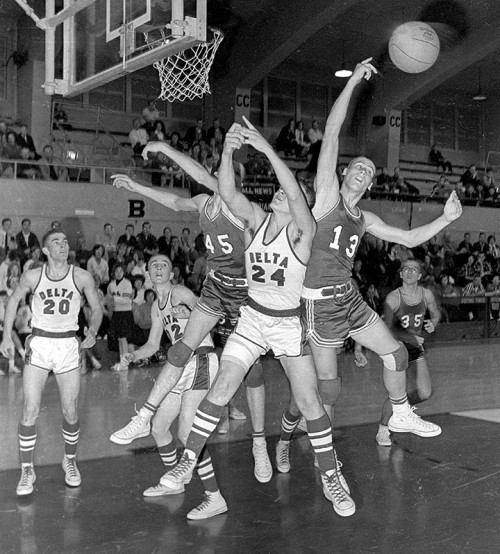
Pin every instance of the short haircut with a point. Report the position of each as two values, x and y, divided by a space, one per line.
96 247
163 256
5 220
410 260
149 291
308 191
26 220
49 233
186 229
146 223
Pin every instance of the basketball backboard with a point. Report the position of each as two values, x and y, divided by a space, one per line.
107 39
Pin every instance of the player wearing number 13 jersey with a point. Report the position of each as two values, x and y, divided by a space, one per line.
334 309
52 347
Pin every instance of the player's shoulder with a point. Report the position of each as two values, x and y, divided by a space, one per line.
82 276
428 294
392 298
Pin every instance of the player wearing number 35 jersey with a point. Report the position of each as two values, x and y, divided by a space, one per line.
57 288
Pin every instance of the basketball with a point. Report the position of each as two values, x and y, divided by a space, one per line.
414 47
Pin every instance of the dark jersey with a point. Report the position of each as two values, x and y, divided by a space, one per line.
334 246
224 239
411 316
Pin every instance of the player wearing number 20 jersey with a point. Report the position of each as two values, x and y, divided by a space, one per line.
334 308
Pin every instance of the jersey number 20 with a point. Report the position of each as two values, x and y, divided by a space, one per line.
50 306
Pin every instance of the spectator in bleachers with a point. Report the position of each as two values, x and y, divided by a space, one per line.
138 138
129 236
150 115
164 241
465 247
400 185
475 288
490 195
471 193
314 134
26 240
195 152
98 267
493 289
427 272
146 241
442 189
158 132
51 167
217 133
27 140
7 236
26 169
471 176
82 255
140 267
488 179
185 241
383 181
35 260
196 133
175 142
60 119
301 141
209 163
11 151
467 271
177 255
481 245
3 134
493 250
177 276
482 267
119 258
437 159
108 241
286 139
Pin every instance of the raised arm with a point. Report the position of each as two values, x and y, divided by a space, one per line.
237 202
163 197
299 209
414 237
326 183
186 163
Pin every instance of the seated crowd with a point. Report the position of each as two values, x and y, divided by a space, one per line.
119 269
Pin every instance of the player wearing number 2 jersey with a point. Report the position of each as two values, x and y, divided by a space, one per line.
278 246
405 310
225 289
334 308
52 346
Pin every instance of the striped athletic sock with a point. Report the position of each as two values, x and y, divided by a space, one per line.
320 435
288 424
150 408
259 436
71 433
399 404
206 472
27 440
206 419
168 454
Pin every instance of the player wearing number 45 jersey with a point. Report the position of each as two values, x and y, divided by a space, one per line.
278 246
334 308
52 346
225 289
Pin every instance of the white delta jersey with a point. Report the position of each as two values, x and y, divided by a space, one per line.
173 326
274 272
55 304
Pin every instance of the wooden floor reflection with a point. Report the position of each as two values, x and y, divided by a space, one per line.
421 495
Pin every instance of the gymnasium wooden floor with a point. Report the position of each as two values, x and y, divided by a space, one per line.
439 495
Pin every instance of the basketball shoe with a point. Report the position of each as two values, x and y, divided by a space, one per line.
213 504
181 472
28 478
407 421
283 456
71 474
343 504
341 477
138 427
263 470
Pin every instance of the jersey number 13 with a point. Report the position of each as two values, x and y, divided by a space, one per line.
335 244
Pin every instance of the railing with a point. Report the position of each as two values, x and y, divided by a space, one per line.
481 304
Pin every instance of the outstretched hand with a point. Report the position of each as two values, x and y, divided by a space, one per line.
363 70
253 137
234 139
154 147
123 181
452 208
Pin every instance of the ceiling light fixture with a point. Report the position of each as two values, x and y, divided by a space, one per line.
343 72
479 96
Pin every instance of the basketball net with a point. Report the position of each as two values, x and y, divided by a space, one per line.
184 76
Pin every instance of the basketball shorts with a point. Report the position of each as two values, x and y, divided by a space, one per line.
330 321
51 354
224 302
415 352
256 333
199 374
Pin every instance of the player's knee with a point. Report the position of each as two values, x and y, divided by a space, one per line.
30 415
397 360
255 377
329 390
179 354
